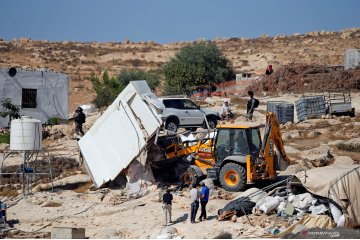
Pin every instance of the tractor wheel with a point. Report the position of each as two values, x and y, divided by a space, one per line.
233 177
190 177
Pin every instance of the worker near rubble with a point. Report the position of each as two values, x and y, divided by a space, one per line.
226 110
80 119
269 70
251 105
204 198
167 199
194 202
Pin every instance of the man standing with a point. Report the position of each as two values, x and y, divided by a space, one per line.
251 105
204 198
194 196
167 198
80 119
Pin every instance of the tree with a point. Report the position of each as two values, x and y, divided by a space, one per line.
108 88
151 77
198 64
11 110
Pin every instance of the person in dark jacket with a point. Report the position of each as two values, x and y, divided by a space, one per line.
80 119
250 106
167 199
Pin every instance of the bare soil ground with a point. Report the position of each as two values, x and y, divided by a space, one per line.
113 213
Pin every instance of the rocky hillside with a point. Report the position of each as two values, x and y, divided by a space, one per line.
80 59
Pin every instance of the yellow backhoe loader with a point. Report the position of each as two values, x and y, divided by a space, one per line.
235 156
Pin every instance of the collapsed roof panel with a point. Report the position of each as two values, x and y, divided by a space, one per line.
340 184
121 133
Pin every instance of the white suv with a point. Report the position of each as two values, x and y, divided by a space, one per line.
182 112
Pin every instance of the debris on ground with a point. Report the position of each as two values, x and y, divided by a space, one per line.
299 78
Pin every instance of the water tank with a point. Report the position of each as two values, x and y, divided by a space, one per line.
284 110
308 107
25 134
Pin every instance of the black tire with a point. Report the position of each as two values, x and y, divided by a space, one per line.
212 123
172 125
233 177
352 113
190 177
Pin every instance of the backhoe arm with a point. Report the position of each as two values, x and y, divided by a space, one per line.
272 136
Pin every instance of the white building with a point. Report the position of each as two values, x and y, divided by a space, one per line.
41 94
352 58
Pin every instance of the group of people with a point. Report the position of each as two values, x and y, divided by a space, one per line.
197 198
228 113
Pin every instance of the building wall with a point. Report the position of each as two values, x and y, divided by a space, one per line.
52 93
352 58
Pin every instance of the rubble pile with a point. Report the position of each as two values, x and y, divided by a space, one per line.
300 78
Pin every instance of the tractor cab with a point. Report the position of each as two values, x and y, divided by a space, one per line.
236 140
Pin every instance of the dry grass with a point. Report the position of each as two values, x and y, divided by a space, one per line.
343 127
348 147
240 101
83 188
261 111
322 124
52 204
8 192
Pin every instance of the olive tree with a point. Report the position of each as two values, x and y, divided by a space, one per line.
197 64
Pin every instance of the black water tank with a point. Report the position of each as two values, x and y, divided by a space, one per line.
12 72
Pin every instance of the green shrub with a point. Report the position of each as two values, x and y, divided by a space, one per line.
53 121
108 88
11 110
5 138
198 64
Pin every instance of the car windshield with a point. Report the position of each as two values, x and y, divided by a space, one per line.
254 139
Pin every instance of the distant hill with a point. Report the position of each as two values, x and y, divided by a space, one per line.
79 59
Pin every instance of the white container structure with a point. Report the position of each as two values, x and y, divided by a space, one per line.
25 134
122 133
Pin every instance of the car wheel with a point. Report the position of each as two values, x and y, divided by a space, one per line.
171 125
212 123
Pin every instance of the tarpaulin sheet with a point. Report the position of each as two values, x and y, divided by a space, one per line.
339 183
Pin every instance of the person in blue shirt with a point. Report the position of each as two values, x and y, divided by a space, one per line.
204 198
